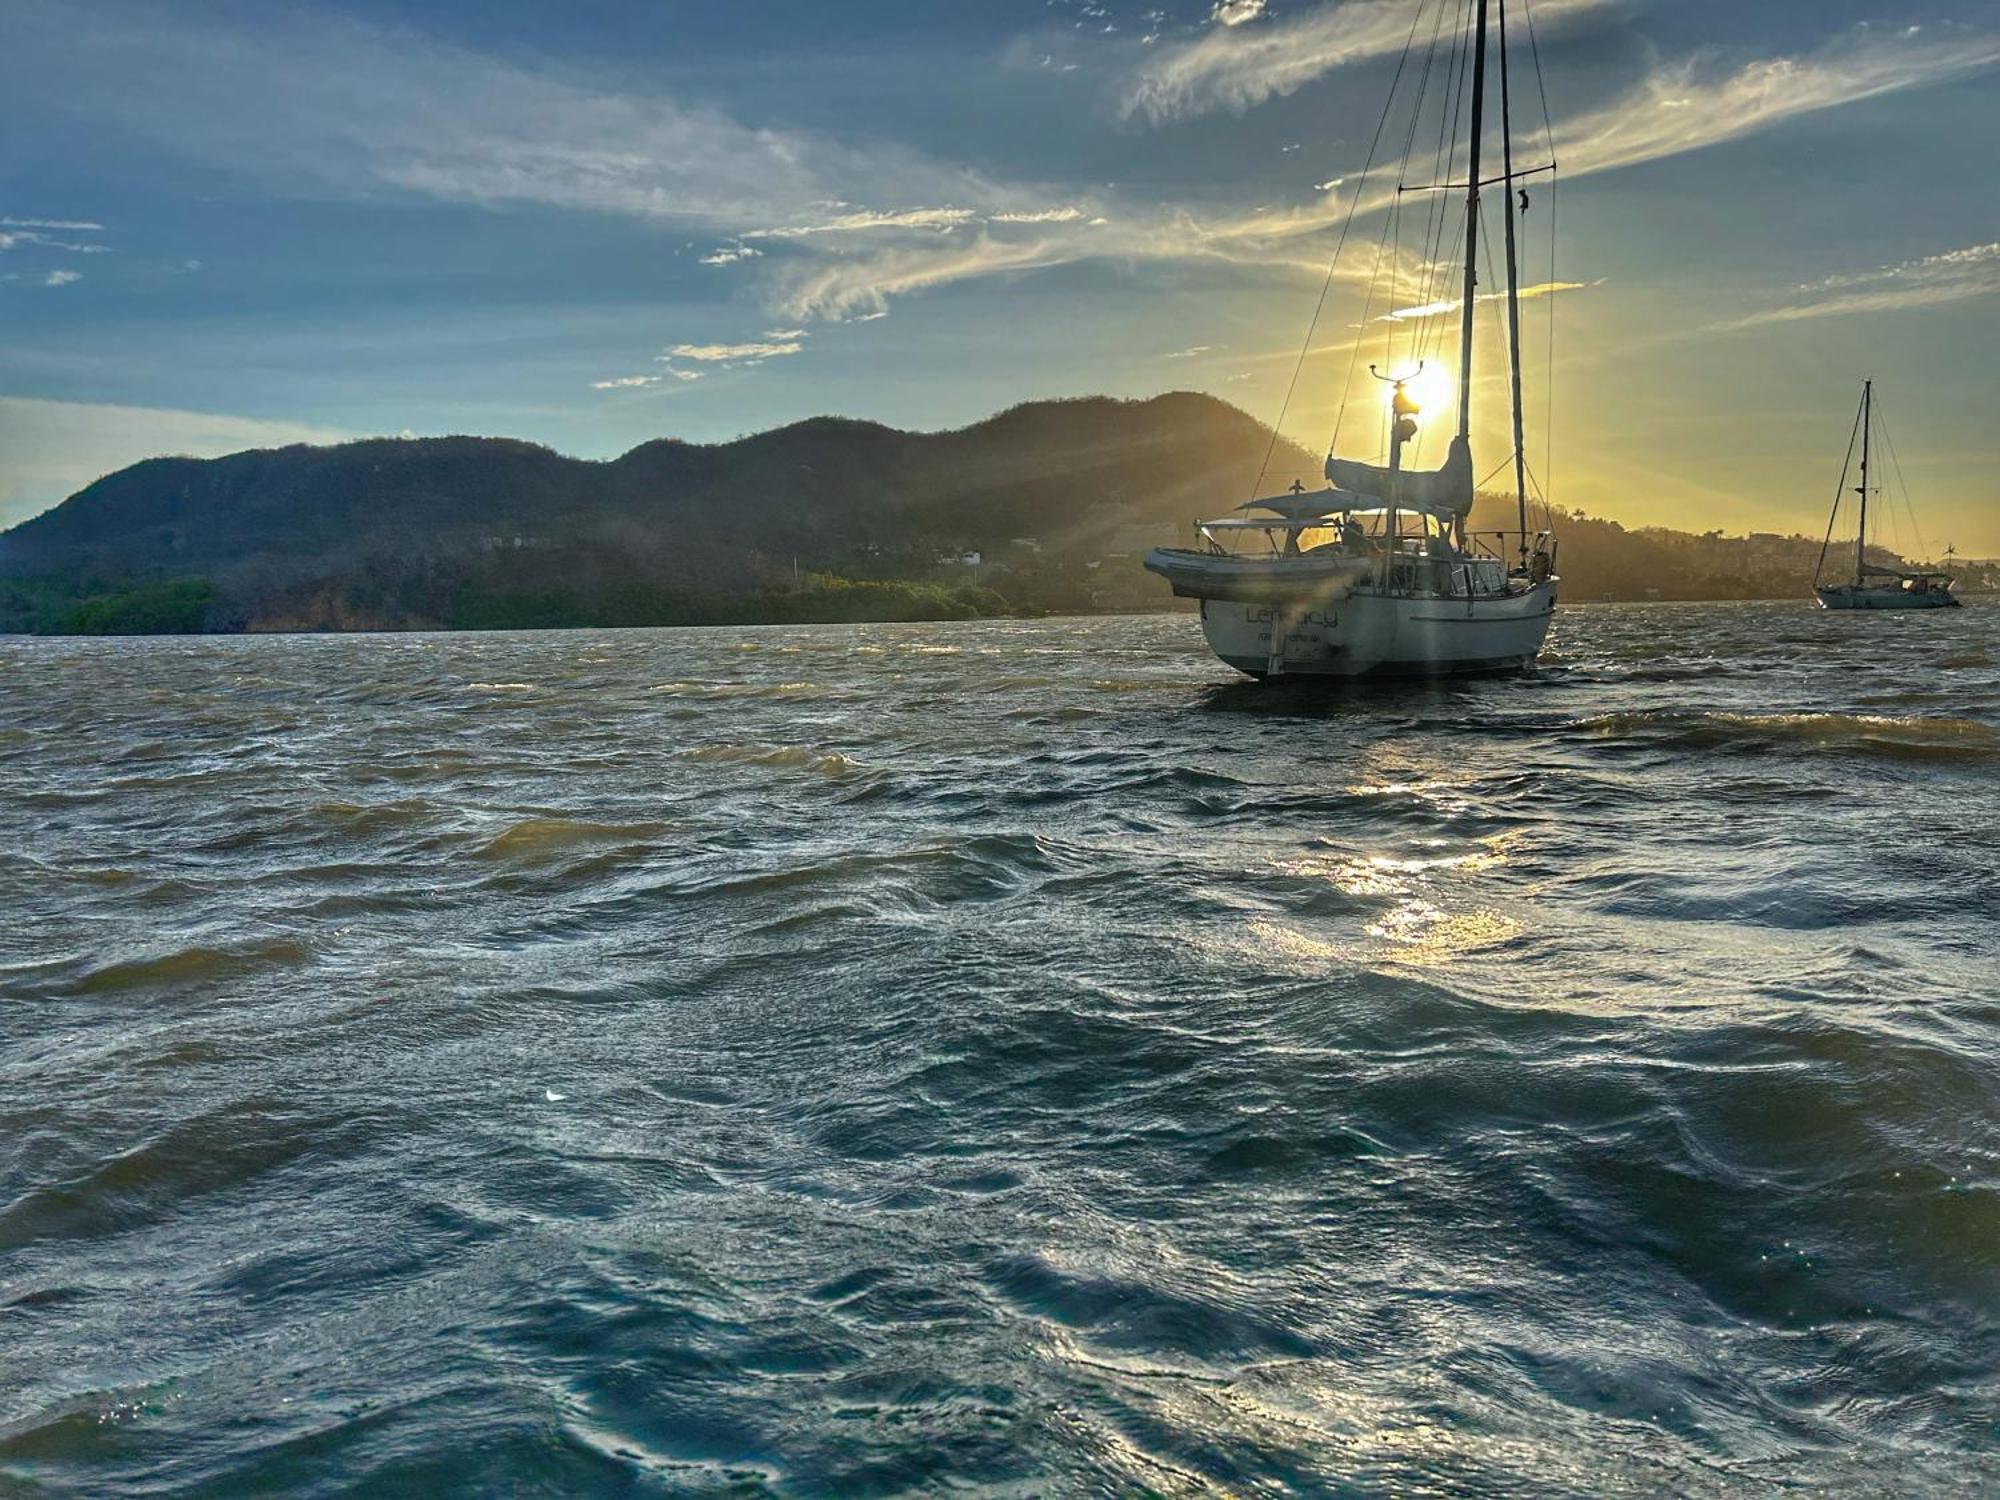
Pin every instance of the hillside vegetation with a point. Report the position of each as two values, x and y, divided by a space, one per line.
827 518
1045 507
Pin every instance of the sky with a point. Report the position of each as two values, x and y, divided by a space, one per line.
228 225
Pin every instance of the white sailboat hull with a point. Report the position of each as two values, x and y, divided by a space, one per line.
1370 634
1847 596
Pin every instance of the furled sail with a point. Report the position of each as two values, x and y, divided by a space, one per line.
1445 492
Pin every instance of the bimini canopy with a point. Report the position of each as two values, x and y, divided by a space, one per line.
1446 493
1273 523
1314 505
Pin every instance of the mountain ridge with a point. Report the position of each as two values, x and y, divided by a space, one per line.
1043 507
415 522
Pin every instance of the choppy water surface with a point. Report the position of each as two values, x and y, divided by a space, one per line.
1007 1055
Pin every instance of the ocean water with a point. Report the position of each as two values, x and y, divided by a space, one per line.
1001 1056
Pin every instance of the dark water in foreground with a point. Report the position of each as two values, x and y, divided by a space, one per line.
1005 1055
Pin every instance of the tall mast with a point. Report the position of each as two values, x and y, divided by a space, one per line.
1861 532
1513 287
1472 228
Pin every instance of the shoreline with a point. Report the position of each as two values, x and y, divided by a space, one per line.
1805 602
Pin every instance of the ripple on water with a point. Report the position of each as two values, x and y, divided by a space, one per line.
538 839
1882 735
778 757
190 967
1001 1056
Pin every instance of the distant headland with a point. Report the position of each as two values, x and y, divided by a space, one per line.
1044 508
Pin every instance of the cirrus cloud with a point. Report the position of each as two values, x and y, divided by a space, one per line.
1932 281
734 353
1236 67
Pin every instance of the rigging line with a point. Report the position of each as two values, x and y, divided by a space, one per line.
1447 150
1450 118
1332 265
1541 85
1375 271
1549 377
1393 234
1434 212
1838 490
1435 268
1896 463
1516 426
1496 302
1548 510
1499 319
1395 229
1354 349
1439 325
1549 138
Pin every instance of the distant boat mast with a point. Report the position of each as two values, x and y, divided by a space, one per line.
1861 531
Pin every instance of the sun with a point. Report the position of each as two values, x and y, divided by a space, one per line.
1431 388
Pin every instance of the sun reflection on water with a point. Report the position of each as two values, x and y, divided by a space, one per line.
1421 895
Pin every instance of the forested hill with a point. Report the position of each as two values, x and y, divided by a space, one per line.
1046 507
390 533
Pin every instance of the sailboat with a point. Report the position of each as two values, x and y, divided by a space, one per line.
1378 573
1873 587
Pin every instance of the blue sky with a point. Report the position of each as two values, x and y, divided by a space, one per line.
230 224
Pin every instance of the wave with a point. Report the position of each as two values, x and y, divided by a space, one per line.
206 1154
538 838
997 1112
1890 736
360 818
789 757
771 690
194 965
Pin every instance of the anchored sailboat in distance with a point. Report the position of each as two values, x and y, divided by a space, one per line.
1874 588
1378 574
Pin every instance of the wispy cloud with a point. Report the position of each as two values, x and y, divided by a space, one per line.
1933 281
1452 305
360 110
346 108
1067 214
748 353
71 225
859 284
1236 67
1236 12
863 284
1680 107
61 278
1685 106
645 382
862 221
13 239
